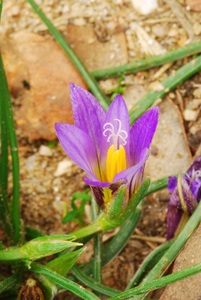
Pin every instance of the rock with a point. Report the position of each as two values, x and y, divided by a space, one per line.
38 73
190 115
94 53
63 167
45 151
189 288
145 7
169 144
194 5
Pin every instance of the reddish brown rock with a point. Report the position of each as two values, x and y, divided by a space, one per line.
38 73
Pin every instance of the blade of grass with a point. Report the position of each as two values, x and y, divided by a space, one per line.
94 285
63 282
15 208
169 84
159 283
7 283
174 249
149 262
5 214
149 62
89 79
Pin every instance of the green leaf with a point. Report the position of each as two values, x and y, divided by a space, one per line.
38 248
7 283
64 263
64 282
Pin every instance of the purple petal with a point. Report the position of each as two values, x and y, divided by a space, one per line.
101 189
88 113
133 175
116 129
142 133
78 146
174 215
172 183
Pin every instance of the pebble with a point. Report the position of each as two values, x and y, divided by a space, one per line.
30 162
63 167
190 115
45 151
145 7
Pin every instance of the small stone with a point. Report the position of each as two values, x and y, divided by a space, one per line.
190 115
30 162
63 167
45 151
145 7
79 22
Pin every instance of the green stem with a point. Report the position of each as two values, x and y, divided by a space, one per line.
169 84
97 269
86 231
89 79
119 240
158 283
149 62
174 250
63 282
94 285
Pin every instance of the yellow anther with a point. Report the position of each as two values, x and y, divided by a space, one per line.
116 162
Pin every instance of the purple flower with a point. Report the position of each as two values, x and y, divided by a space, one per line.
186 193
103 144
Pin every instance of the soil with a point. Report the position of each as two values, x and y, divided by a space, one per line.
46 193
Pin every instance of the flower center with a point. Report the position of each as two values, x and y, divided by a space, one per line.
115 162
117 134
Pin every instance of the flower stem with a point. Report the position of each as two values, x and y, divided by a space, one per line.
88 77
169 84
86 231
97 270
149 62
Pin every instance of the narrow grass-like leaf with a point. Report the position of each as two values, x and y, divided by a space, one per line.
5 213
89 79
174 249
94 285
182 74
158 283
7 283
149 262
64 282
149 62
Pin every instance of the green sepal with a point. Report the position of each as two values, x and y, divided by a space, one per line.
114 208
39 248
111 220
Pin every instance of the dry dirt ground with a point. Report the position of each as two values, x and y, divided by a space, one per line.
103 33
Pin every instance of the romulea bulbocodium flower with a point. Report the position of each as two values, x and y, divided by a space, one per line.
30 291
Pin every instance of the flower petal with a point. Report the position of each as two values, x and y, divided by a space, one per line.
142 133
133 175
78 146
172 183
174 215
88 113
116 128
103 191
